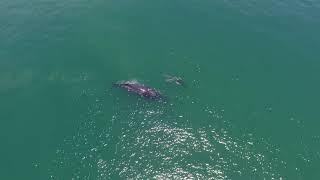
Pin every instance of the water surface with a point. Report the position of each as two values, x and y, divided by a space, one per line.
250 110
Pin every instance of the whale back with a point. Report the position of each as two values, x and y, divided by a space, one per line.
140 89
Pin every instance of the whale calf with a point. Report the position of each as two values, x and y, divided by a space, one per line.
174 79
140 89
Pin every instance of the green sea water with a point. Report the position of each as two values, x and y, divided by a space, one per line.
250 109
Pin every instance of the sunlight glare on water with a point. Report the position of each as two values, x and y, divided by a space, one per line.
147 146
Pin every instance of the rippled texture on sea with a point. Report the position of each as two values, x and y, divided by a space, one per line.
249 109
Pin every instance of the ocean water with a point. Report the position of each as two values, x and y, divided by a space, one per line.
250 109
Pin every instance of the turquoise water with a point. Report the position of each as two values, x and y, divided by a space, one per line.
250 110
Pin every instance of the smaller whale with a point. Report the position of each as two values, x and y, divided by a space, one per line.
174 79
140 89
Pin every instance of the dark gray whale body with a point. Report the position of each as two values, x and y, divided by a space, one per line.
140 89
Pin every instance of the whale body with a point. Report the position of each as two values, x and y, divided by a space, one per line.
174 79
139 89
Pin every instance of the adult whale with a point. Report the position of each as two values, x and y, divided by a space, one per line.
140 89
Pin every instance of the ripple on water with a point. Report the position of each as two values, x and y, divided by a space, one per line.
146 145
293 8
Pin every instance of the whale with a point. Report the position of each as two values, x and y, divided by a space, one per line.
140 89
174 79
